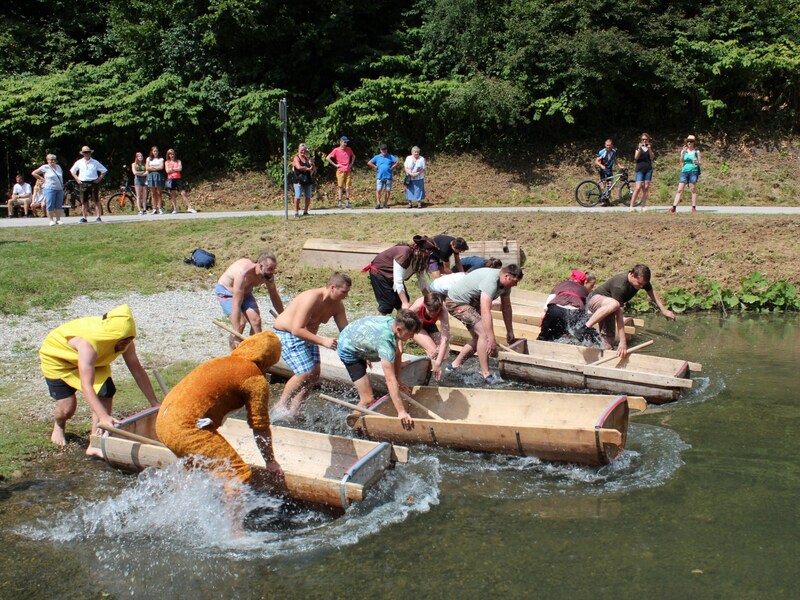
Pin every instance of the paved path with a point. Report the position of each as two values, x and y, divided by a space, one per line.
131 218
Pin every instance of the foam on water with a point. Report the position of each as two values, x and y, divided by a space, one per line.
652 457
183 510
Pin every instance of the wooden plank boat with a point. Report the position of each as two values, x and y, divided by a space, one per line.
521 298
416 370
577 428
354 255
320 469
656 378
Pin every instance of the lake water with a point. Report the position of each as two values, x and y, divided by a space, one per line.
702 504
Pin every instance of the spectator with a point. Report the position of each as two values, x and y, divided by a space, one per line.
605 161
448 247
20 196
154 165
89 173
140 182
383 163
415 182
643 156
303 169
52 178
690 172
175 183
37 200
343 158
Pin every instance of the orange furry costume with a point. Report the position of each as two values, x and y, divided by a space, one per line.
211 391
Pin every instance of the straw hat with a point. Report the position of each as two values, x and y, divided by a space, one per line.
86 149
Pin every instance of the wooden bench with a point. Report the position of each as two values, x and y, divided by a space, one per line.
354 255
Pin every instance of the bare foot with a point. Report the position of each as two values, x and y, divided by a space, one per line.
58 437
94 452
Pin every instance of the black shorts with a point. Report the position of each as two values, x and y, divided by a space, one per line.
387 298
356 370
59 389
431 330
176 184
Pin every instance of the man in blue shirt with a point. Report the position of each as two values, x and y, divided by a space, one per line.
384 163
605 161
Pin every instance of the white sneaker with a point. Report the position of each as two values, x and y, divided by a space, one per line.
51 223
173 212
141 213
161 211
58 222
191 210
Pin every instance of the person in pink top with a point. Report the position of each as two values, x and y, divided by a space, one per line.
343 158
175 184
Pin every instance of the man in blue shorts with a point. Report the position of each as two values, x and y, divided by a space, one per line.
234 291
297 329
378 338
384 163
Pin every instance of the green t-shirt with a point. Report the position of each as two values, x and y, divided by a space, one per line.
370 338
468 290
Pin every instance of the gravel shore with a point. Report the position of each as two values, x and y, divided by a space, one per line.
171 326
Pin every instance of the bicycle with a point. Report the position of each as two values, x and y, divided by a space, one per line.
72 197
590 193
125 198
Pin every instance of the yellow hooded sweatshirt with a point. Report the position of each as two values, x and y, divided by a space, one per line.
60 360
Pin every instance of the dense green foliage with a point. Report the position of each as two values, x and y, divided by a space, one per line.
205 76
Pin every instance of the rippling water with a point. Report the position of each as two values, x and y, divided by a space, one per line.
701 504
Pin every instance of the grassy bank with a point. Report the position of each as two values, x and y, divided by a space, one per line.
44 267
737 170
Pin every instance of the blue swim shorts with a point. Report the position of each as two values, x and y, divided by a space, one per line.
300 355
225 298
689 176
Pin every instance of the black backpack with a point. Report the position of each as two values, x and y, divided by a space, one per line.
201 258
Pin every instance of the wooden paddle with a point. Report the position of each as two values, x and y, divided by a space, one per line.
134 437
427 410
230 330
614 355
160 381
361 409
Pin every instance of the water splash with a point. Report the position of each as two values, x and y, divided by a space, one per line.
652 457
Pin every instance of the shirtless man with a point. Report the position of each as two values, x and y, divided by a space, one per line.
297 330
234 291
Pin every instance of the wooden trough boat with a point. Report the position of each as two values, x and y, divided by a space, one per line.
577 428
320 469
656 378
416 370
535 300
354 255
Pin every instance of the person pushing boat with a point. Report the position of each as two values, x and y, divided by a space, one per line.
78 356
195 408
234 291
378 338
297 329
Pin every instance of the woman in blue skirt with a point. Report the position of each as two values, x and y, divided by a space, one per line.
415 180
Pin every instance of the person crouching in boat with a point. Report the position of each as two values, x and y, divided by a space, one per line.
430 309
378 338
565 311
193 410
78 356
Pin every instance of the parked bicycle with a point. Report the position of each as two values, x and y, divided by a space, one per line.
125 198
591 193
72 197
